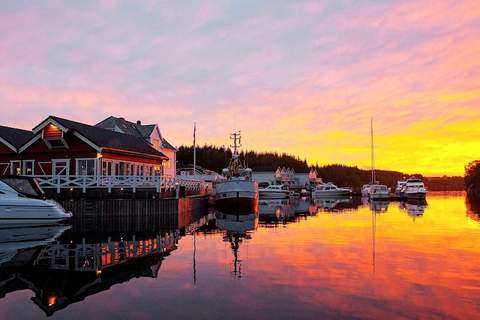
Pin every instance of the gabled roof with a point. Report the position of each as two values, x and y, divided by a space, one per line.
127 127
167 145
13 137
104 138
131 128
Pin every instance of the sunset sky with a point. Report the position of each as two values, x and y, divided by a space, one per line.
302 77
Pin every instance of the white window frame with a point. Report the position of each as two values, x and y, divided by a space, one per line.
11 166
77 167
7 168
24 167
54 167
135 168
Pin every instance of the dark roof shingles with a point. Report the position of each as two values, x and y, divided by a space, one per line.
110 139
16 137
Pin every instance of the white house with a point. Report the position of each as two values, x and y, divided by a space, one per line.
151 133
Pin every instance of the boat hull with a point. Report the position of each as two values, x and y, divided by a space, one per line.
379 197
32 215
236 193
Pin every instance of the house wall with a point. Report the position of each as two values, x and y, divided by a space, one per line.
170 166
43 156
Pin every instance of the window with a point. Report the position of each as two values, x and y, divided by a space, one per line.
106 168
28 167
61 167
86 167
16 167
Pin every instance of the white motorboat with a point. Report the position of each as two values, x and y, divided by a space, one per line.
378 192
274 191
18 205
330 190
415 189
238 189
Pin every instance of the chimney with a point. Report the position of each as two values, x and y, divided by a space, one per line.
139 123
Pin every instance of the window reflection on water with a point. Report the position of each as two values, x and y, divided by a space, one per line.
301 258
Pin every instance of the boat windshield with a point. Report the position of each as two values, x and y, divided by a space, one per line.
24 186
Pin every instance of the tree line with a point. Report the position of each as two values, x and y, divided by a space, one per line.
216 158
472 178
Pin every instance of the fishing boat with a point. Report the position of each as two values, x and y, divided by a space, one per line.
274 191
21 203
330 190
238 189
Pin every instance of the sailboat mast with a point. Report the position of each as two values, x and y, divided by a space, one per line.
372 151
195 148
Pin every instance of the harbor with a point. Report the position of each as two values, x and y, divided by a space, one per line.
239 160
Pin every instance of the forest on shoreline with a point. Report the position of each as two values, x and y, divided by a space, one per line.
215 158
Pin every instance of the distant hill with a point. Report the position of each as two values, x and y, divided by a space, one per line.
215 158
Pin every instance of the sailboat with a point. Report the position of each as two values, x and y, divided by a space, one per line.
238 189
374 190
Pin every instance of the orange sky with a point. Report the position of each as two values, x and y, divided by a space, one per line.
300 77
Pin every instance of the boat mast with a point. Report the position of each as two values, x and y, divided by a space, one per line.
372 152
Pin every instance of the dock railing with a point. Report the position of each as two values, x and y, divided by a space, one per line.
158 183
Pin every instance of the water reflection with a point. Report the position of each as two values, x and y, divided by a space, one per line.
237 227
338 204
315 263
414 209
473 207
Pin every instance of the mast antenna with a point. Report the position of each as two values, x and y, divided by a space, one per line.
237 141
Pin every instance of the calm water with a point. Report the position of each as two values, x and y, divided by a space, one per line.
297 260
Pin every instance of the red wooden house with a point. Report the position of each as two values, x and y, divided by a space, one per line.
61 147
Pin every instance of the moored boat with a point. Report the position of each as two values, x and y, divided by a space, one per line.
238 189
330 190
415 189
378 192
19 204
274 191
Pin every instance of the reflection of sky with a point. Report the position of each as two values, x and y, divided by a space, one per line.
321 266
292 75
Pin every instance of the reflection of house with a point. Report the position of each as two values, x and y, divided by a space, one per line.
64 273
151 133
61 147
